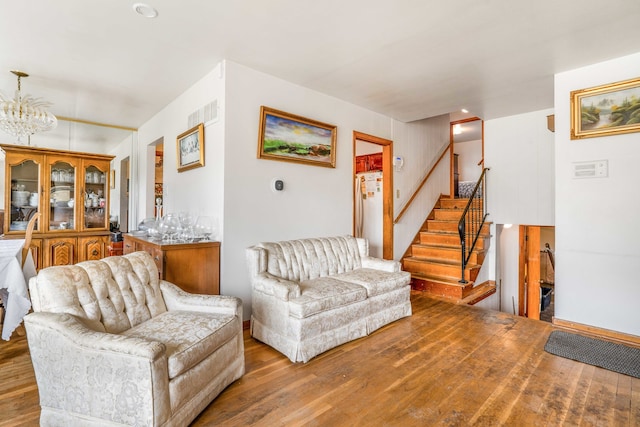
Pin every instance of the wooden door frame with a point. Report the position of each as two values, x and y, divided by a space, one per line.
451 150
387 189
529 270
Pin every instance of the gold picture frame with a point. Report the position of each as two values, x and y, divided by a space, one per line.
291 138
190 148
605 110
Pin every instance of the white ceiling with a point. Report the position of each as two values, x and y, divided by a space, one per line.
408 59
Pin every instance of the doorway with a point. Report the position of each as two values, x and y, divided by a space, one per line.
536 272
158 182
124 194
467 154
385 183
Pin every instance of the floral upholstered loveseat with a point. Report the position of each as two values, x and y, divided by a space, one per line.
111 344
310 295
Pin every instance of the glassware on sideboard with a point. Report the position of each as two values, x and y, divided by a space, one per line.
169 227
204 227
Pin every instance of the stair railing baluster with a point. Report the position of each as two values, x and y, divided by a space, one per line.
471 222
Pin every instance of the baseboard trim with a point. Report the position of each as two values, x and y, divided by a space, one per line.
620 337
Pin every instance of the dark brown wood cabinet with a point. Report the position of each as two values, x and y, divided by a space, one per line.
194 267
369 163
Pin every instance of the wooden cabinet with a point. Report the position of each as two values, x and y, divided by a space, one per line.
369 163
92 248
71 192
194 267
68 250
60 251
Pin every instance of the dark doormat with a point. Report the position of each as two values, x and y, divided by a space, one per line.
608 355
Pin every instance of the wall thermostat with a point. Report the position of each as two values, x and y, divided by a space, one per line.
277 184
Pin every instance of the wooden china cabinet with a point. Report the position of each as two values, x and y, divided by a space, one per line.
71 192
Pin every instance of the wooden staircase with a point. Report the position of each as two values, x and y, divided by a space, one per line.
434 258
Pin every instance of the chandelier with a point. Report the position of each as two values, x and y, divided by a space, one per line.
24 115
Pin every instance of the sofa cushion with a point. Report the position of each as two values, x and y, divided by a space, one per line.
376 281
110 295
306 259
322 294
188 336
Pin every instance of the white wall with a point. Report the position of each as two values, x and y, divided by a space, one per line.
597 233
200 190
469 155
519 150
508 250
122 151
363 148
419 143
316 201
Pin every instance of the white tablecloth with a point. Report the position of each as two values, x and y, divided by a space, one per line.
13 284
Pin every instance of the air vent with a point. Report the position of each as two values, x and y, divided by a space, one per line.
206 115
194 119
592 169
211 111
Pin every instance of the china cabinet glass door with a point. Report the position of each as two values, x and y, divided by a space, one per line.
25 192
96 181
62 175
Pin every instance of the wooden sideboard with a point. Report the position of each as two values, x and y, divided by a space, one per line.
194 267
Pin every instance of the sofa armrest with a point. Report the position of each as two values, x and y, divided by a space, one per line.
71 361
381 264
177 299
70 327
278 287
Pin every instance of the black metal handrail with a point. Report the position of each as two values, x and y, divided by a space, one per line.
472 220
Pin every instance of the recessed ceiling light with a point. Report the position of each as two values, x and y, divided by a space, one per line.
464 110
145 10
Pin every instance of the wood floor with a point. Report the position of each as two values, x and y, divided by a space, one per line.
446 365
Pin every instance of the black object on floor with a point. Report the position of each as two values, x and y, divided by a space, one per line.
608 355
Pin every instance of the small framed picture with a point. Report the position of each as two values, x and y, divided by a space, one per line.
190 145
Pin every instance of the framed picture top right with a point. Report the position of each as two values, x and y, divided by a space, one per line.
605 110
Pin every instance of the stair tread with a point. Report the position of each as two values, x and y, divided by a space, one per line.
479 293
439 261
446 280
444 247
454 220
453 233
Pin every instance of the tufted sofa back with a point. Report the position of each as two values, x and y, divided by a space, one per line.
110 295
305 259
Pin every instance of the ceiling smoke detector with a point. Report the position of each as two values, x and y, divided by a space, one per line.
145 10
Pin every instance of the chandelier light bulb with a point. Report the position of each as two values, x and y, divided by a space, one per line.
24 115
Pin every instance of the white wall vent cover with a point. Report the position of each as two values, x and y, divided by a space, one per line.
591 169
207 114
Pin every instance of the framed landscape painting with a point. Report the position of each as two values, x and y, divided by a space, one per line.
292 138
606 110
